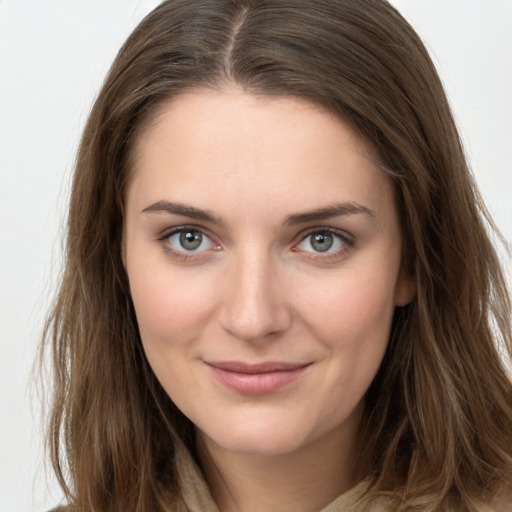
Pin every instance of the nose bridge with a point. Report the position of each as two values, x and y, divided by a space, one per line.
255 306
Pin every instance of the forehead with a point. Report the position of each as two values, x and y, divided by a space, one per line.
243 149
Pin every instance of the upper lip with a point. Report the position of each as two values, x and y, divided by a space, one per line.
255 368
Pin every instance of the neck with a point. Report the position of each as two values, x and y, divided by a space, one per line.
307 479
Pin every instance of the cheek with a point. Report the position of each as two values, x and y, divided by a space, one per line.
171 314
352 321
355 307
171 307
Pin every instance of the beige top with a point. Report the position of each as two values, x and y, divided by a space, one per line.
196 496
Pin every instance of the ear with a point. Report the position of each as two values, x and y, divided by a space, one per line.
405 289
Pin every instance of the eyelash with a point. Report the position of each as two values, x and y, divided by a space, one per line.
347 241
183 254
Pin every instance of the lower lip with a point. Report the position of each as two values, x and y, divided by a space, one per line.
256 383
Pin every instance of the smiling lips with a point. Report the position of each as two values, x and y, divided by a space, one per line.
256 379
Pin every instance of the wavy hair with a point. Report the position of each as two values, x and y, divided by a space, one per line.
437 433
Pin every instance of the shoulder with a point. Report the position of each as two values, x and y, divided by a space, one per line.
178 506
503 502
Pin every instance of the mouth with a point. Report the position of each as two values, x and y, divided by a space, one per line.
256 379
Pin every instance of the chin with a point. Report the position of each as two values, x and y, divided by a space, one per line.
268 440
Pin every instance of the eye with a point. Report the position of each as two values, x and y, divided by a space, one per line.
325 241
188 240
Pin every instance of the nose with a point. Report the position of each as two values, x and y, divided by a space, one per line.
255 307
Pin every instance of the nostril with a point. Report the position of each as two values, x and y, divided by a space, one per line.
256 319
255 307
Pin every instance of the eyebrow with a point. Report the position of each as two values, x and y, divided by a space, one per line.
335 210
185 210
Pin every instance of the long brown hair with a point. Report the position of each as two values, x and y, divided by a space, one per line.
437 433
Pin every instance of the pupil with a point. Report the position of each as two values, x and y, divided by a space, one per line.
322 242
190 240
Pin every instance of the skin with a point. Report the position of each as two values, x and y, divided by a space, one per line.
257 289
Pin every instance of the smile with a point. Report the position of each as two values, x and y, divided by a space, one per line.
256 379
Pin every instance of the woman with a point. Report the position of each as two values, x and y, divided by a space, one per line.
280 293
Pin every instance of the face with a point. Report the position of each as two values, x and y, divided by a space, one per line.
263 252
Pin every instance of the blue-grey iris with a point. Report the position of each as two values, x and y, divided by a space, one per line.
322 242
190 240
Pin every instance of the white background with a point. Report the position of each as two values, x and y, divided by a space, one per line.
53 57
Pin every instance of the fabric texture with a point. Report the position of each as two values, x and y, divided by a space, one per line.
196 496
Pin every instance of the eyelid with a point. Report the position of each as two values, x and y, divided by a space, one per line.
183 254
344 235
167 232
348 242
